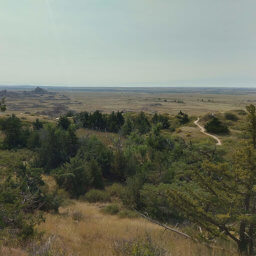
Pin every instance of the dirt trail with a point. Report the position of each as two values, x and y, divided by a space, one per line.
202 129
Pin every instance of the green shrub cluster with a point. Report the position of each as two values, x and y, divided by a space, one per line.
216 126
94 196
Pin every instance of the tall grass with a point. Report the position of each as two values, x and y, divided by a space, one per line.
96 234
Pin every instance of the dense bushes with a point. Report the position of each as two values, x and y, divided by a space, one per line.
116 121
162 120
93 149
64 122
216 126
22 194
182 117
37 125
94 196
15 134
57 146
98 121
78 176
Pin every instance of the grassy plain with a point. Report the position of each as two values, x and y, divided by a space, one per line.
197 101
171 103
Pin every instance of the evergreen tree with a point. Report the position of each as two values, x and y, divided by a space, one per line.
182 117
251 127
57 146
2 105
74 177
141 123
216 126
64 122
128 127
93 149
15 135
98 121
163 120
37 125
221 199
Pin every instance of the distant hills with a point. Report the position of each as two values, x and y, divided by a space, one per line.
29 93
39 90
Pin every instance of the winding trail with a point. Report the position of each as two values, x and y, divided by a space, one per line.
202 130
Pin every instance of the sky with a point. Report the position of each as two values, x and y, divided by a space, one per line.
128 43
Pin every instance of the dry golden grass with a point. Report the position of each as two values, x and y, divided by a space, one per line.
171 103
95 233
160 102
11 252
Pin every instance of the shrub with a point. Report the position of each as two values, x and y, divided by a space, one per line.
15 134
216 126
162 120
128 127
93 149
131 197
111 209
95 195
142 123
182 117
34 140
74 177
138 247
231 116
64 122
37 125
157 206
98 121
57 146
116 190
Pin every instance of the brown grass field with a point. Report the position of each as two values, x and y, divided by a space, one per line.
194 102
95 234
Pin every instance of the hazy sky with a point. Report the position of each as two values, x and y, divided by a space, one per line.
132 42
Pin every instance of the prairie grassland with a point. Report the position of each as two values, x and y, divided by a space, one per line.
94 233
191 103
51 106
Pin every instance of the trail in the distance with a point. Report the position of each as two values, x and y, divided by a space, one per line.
202 130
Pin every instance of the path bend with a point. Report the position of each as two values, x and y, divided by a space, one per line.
202 130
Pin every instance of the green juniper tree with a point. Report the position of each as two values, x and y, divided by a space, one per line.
220 198
2 105
251 127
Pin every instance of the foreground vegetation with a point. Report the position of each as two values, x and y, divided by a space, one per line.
146 170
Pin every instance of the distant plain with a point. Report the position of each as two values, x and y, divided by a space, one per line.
194 101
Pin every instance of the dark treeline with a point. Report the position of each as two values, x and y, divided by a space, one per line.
117 122
98 121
